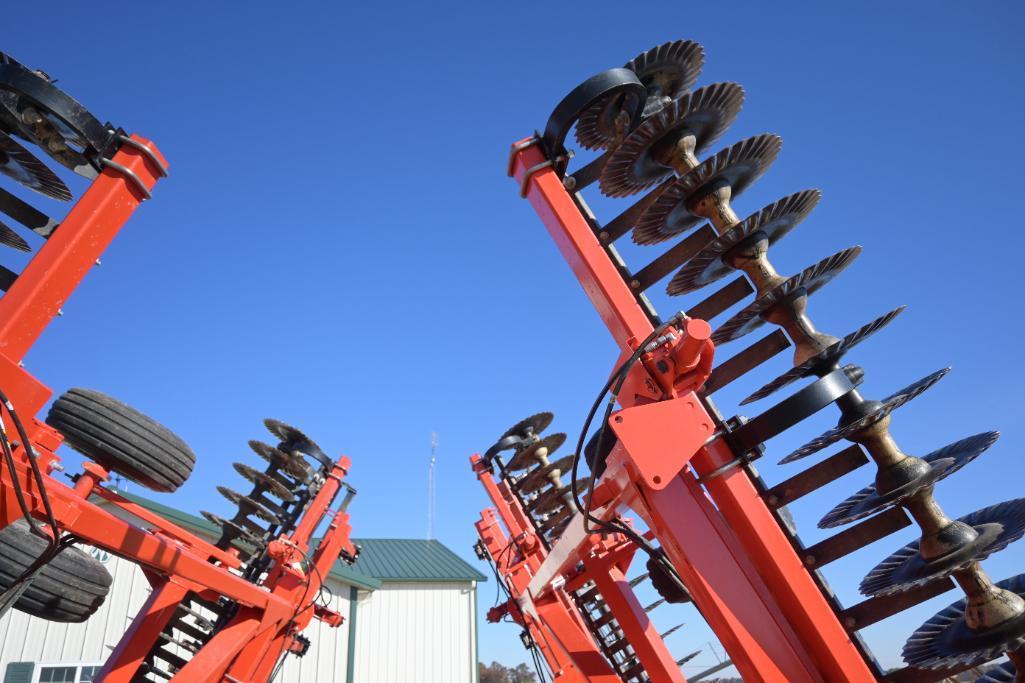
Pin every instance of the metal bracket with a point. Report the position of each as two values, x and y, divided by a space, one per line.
130 176
147 152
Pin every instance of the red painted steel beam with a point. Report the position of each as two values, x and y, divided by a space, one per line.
45 284
638 628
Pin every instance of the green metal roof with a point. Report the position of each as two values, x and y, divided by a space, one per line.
402 559
380 559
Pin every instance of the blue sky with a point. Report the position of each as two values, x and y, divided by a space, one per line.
338 245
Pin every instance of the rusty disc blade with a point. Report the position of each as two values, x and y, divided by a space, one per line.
808 281
529 456
292 464
947 641
634 165
19 164
774 221
538 478
739 166
942 463
12 239
292 439
887 406
530 426
825 358
271 485
666 71
248 505
996 527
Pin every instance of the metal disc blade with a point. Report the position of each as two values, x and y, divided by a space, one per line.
19 164
946 641
706 114
293 465
997 527
667 71
739 166
775 221
12 239
232 527
533 425
248 506
888 405
538 478
529 456
825 358
293 439
273 486
809 281
942 463
1004 673
551 500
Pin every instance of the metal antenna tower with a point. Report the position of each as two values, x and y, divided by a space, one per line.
430 485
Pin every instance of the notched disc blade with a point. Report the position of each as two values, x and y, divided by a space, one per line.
827 357
292 439
248 506
527 457
739 166
705 114
946 641
775 220
667 71
232 528
942 463
538 478
888 405
1003 673
12 239
273 486
808 281
293 465
533 425
997 527
19 164
550 501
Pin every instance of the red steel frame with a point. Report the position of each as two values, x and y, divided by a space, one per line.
175 561
738 564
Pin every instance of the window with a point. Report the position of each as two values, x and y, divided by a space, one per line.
87 673
52 672
57 674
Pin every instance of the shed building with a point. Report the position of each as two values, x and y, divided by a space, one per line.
410 611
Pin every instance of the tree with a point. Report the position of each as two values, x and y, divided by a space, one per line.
496 673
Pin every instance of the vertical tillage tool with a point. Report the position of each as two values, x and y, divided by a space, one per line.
229 610
688 473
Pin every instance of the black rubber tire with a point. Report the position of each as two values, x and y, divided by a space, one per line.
122 439
69 588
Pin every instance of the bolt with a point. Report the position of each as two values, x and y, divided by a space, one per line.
60 311
98 262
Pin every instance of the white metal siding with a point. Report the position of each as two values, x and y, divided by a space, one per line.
405 633
329 647
415 633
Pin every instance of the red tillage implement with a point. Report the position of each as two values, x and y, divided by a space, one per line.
227 610
715 533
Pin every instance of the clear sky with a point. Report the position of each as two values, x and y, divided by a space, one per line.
338 245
